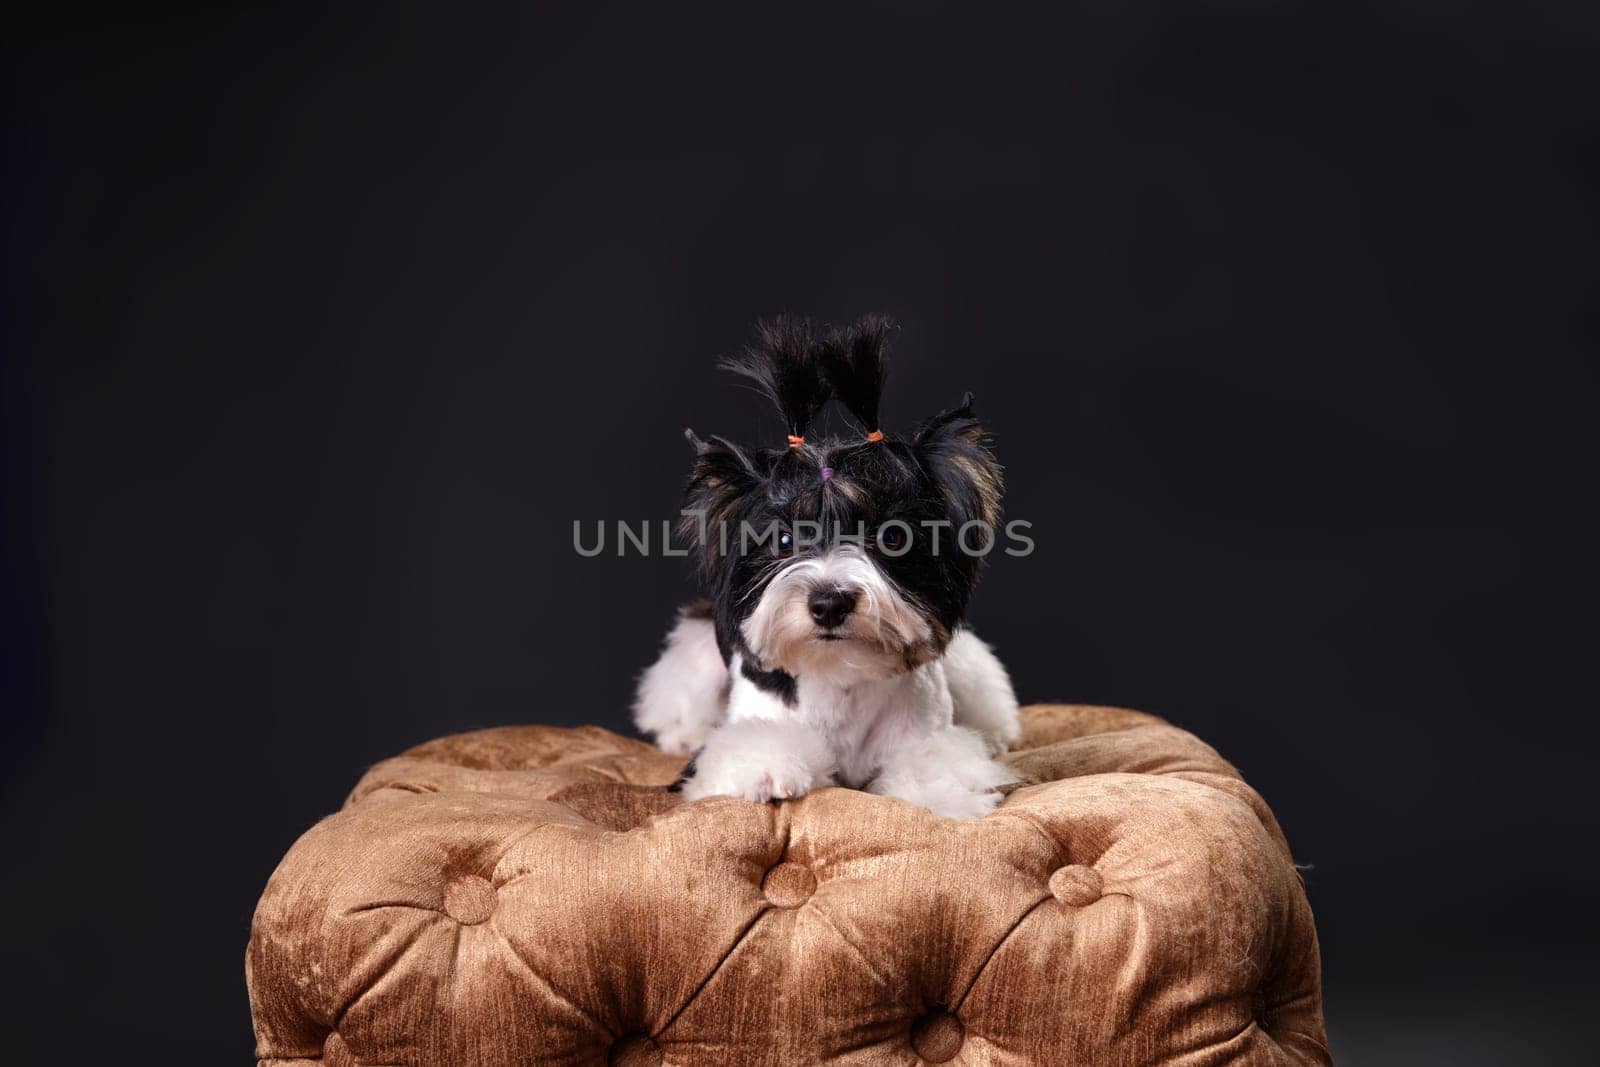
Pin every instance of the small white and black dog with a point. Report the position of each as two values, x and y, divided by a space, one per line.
831 650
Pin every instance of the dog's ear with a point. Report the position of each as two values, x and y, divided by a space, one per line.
723 474
958 453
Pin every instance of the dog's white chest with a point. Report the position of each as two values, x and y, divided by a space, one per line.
864 721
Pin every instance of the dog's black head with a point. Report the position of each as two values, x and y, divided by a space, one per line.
852 559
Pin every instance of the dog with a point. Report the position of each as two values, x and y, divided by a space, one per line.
831 648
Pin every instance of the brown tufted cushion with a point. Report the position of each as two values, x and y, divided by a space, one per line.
534 895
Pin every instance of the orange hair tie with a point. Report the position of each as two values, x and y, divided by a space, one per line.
875 436
796 442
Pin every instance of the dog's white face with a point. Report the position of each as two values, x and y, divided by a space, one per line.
836 615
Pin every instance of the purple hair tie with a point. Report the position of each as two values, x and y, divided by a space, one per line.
827 472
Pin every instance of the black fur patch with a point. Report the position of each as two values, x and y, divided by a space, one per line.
688 772
781 683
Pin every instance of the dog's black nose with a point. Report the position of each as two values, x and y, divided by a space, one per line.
830 607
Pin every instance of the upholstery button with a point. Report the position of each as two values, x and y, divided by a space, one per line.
469 900
789 885
1077 886
937 1036
636 1051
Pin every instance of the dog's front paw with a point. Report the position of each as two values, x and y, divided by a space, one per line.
746 781
1006 734
1002 739
760 761
950 773
680 739
963 805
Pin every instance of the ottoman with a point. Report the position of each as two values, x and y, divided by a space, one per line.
533 895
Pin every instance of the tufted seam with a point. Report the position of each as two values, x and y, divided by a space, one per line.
560 993
784 828
379 975
1060 848
452 968
1200 1042
695 992
998 945
866 961
379 905
1233 1044
1139 949
489 874
554 990
333 1021
398 784
349 1056
485 871
1274 1007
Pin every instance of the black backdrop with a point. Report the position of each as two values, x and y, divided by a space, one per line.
324 327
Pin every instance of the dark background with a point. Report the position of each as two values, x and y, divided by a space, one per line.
324 327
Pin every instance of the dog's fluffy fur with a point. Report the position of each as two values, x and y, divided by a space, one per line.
831 650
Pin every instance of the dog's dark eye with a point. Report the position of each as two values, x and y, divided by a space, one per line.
784 545
892 537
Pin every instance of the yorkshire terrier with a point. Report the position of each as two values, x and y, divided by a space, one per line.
831 649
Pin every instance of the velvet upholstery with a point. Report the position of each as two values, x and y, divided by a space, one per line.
532 895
